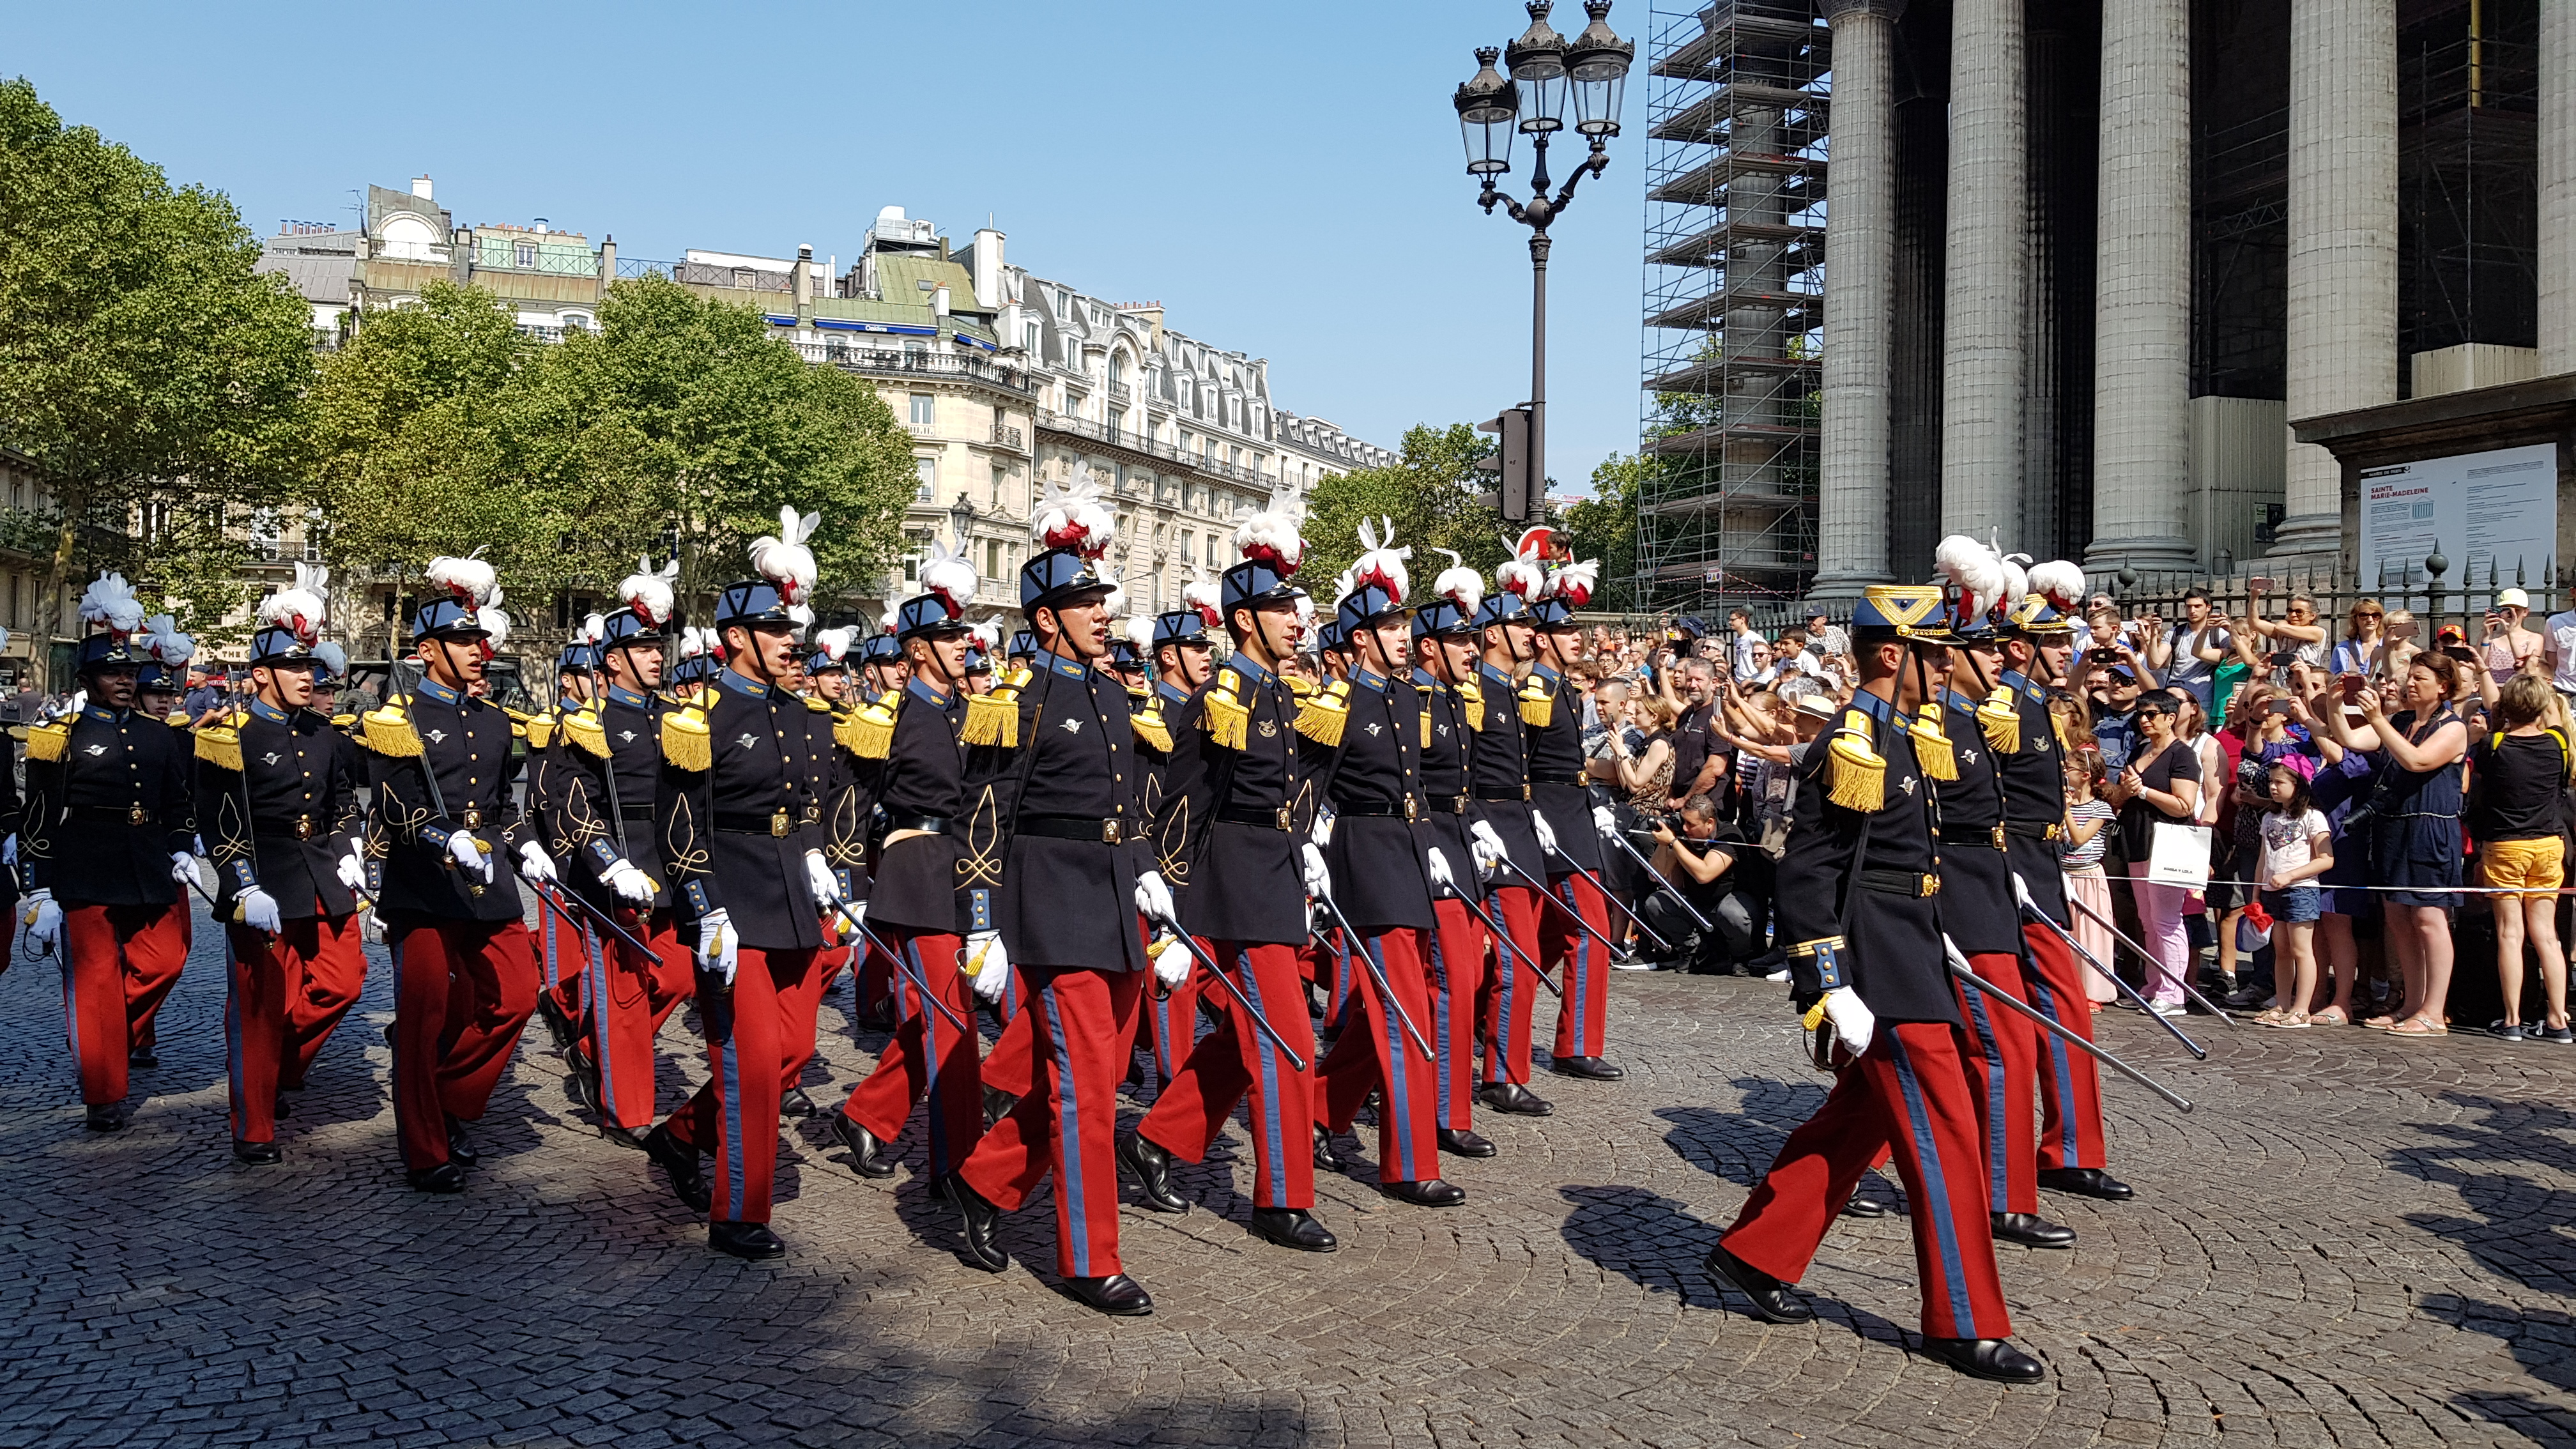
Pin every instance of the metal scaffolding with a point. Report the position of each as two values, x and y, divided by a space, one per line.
1734 287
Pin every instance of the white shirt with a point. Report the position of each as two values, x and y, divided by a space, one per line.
2289 841
2561 634
1740 652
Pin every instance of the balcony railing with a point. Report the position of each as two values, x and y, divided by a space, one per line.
923 363
1139 443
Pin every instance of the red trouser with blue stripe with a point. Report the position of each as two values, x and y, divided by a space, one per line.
629 996
928 1055
268 980
1908 1093
1457 969
734 1117
1237 1059
1173 1022
1374 1049
462 992
1585 1011
118 964
1510 988
2000 1069
1067 1122
2070 1082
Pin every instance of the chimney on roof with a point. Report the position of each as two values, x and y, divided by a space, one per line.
987 259
939 301
804 277
420 187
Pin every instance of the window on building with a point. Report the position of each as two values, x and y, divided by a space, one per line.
1189 546
992 558
926 472
524 254
1032 339
925 409
917 542
1234 457
1117 420
1000 474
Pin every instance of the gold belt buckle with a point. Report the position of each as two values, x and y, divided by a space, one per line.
473 819
304 827
1525 792
780 824
2054 832
1458 805
1110 833
1283 817
137 815
1931 883
1999 837
1411 809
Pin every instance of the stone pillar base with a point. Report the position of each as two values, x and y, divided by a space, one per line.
2147 554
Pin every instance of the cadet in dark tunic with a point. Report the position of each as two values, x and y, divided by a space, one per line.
1558 788
103 848
1232 833
1180 656
280 816
1498 776
465 967
331 984
1444 637
1857 902
568 951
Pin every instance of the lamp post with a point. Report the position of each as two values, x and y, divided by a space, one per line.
1591 71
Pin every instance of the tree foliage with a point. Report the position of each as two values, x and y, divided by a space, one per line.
143 359
1430 492
1604 526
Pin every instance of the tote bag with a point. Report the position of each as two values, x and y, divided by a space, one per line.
2179 855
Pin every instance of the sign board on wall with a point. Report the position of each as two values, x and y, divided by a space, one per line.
2496 509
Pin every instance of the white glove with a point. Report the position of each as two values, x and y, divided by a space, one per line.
1319 881
818 874
1322 832
183 868
990 963
1438 866
1487 848
1605 821
1546 836
717 944
629 882
258 910
1154 900
534 864
44 919
353 869
857 911
1172 960
468 855
1851 1018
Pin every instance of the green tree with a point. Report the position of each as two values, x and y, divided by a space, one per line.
1604 526
144 363
1430 492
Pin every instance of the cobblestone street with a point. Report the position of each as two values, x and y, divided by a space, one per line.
2352 1241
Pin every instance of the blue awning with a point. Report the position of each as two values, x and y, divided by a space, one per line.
899 329
774 320
977 342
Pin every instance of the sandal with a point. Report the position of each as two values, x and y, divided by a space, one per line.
2269 1017
2379 1023
2331 1016
2419 1026
2291 1021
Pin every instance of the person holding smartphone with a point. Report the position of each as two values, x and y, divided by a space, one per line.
2161 782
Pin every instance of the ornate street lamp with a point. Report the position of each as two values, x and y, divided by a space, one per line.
961 517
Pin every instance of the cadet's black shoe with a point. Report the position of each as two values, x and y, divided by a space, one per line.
558 1025
1987 1358
1117 1294
1430 1192
794 1103
1324 1157
257 1154
981 1221
445 1177
1293 1228
1772 1300
867 1154
459 1151
1152 1167
746 1240
1589 1068
2031 1231
281 1108
1514 1098
105 1117
997 1105
142 1059
679 1163
623 1136
1864 1207
1463 1142
579 1087
2086 1182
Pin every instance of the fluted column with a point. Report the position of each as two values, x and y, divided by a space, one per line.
2557 187
1860 300
1986 269
2142 308
2343 245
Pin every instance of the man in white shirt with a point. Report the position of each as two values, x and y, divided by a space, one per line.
2558 647
1741 649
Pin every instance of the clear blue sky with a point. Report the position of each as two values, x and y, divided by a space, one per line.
1287 178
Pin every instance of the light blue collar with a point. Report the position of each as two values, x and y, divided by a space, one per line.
432 689
264 710
623 695
740 685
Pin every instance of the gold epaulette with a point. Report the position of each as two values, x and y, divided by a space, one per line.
1149 727
1538 703
1855 773
1320 716
48 741
993 719
1224 712
686 740
2000 718
343 721
388 731
1474 694
818 704
537 729
220 744
1017 678
584 729
1931 747
176 719
1299 685
867 732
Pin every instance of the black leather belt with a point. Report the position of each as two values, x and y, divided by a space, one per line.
1450 805
1271 817
1112 831
1991 836
1504 799
929 824
2033 829
1556 777
1408 809
634 812
302 827
772 823
1899 883
120 814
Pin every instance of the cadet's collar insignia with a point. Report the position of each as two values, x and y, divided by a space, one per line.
435 737
1960 702
1428 680
432 689
739 685
623 695
1543 672
1069 668
1073 726
1873 706
1171 693
97 750
921 689
102 715
1492 673
1363 676
2014 679
571 705
269 712
1252 673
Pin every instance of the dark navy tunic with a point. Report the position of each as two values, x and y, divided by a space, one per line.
734 836
1976 905
1557 784
103 820
1498 775
2034 779
1231 820
922 786
1376 793
1073 836
284 820
458 783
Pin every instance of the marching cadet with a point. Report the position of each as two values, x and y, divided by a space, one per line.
747 776
1976 905
1569 826
1498 776
105 852
928 900
611 752
1857 897
567 949
1077 877
1023 650
332 982
881 666
1235 801
1444 641
700 656
1178 647
1381 886
158 687
465 967
280 816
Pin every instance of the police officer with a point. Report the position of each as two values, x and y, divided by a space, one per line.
465 968
279 812
1857 900
1237 800
1452 701
105 849
747 775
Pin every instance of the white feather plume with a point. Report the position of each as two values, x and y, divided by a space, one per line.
834 644
1070 515
471 580
697 643
496 628
299 608
1575 582
1380 561
802 616
162 640
2061 582
1458 583
1204 595
1140 632
951 577
647 591
110 603
1975 575
1522 578
1272 533
988 634
2016 579
784 560
593 629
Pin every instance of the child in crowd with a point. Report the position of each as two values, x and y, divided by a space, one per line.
2298 847
2088 820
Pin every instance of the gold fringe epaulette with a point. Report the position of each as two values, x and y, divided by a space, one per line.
343 721
1299 685
1855 774
537 729
220 745
1474 694
1150 729
867 732
1227 717
386 730
686 740
1932 748
817 704
48 741
584 729
993 719
1320 716
176 719
2000 718
1538 703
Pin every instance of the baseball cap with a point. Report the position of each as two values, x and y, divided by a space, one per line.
2513 599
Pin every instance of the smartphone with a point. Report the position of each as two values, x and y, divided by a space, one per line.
2461 652
2259 584
2278 706
2284 658
2351 686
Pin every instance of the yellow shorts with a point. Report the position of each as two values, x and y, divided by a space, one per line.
2532 866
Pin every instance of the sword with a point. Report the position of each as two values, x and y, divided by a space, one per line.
1660 943
1258 1020
556 898
903 966
1540 886
1959 968
2149 957
1670 889
1377 969
1508 944
2032 908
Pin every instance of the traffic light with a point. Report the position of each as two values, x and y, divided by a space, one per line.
1516 492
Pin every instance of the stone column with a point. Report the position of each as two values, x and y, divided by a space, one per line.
1860 301
2342 337
1986 269
2142 291
2557 188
